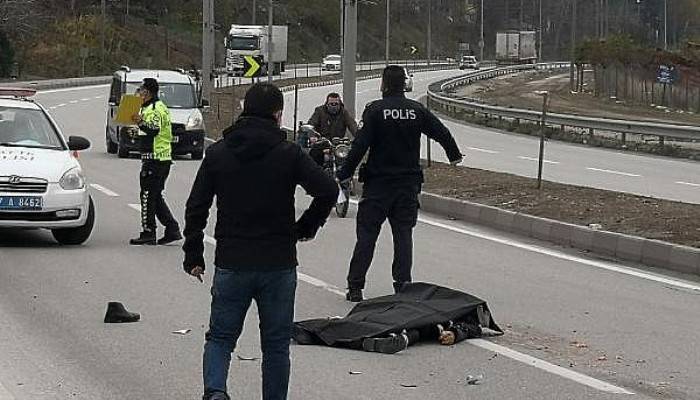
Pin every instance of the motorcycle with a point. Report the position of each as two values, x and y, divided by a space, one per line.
330 155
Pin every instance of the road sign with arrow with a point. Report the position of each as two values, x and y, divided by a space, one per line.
251 66
414 50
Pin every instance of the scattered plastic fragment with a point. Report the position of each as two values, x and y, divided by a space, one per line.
182 332
409 385
475 379
244 358
355 372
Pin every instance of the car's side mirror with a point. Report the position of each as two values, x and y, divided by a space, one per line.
78 143
205 103
112 100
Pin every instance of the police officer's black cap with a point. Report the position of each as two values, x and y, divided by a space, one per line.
151 85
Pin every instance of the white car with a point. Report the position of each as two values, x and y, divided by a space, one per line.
468 62
331 63
408 87
41 182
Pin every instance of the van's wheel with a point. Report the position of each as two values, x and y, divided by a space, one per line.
76 236
198 154
111 146
122 151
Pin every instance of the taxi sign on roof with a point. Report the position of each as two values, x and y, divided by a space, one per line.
16 92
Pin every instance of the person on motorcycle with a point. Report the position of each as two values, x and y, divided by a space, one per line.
332 119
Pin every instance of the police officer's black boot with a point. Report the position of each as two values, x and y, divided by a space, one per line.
354 295
145 238
117 314
171 235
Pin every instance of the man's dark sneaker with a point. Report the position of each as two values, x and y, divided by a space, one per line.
388 345
170 236
117 314
145 238
398 286
354 295
216 396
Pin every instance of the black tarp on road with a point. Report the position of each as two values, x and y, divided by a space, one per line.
417 306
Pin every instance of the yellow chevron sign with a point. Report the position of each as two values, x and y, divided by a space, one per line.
251 67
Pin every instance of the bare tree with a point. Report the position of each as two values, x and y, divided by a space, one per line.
19 18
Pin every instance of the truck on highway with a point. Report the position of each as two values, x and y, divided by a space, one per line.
516 47
252 40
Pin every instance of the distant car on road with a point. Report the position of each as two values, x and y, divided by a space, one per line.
468 62
331 62
42 184
179 91
409 81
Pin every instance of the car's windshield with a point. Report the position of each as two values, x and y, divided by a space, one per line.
468 59
242 42
333 58
174 95
21 127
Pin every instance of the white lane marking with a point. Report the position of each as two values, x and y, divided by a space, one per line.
537 160
61 105
483 150
104 190
688 184
84 99
98 97
5 394
609 171
680 283
73 89
73 101
52 108
505 351
549 367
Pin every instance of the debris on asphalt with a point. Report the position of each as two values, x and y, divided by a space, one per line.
355 372
603 358
182 332
244 358
579 345
117 314
475 379
409 385
595 227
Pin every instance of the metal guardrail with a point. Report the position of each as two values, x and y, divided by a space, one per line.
62 83
439 95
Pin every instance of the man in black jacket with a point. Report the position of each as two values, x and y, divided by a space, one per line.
253 173
391 130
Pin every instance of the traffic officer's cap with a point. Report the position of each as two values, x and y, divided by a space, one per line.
151 85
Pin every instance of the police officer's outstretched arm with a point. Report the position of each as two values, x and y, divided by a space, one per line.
436 130
360 145
324 191
196 215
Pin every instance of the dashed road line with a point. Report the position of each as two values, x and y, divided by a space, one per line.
537 160
613 172
84 99
61 105
104 190
688 184
483 150
73 101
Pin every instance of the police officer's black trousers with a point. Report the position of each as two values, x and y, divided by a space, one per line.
400 206
153 177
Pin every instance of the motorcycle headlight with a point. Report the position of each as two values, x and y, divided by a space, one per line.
195 122
342 151
72 180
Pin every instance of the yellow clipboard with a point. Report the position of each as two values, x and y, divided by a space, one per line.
129 105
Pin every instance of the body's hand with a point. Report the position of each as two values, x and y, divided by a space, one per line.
197 272
447 338
136 118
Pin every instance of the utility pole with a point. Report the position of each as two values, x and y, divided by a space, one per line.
522 17
481 38
573 45
539 40
430 30
342 36
388 20
270 64
103 32
207 47
350 54
255 11
665 24
127 8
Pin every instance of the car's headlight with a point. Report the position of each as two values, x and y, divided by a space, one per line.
195 122
72 180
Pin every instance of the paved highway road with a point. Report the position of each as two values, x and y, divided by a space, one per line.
578 328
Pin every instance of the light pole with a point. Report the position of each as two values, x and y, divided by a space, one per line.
270 63
207 47
665 24
388 20
573 44
103 33
349 56
539 40
481 39
430 29
255 9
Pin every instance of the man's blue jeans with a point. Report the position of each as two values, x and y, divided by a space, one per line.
232 293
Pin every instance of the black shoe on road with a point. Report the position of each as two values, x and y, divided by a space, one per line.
117 314
354 295
148 239
169 237
388 345
216 396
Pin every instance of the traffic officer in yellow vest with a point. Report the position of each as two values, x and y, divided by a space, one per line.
155 138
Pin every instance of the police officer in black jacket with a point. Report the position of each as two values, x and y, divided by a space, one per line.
391 129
